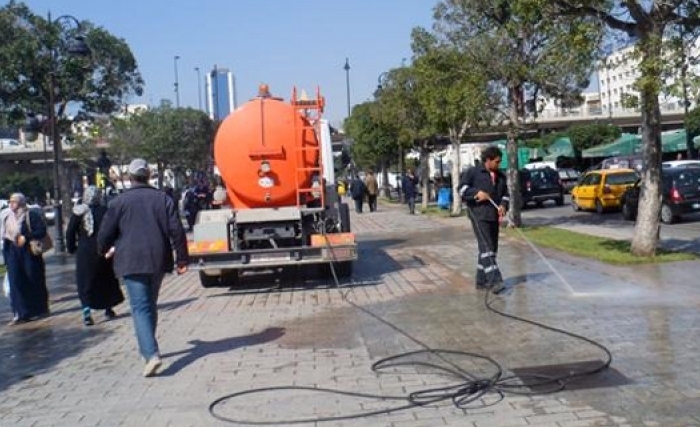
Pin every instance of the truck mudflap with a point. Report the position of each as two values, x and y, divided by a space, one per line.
212 255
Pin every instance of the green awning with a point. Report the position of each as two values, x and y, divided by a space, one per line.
523 154
626 145
561 147
674 140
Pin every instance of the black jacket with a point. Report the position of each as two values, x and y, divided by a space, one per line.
477 179
141 224
409 183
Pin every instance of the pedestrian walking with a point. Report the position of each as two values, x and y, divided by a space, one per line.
484 189
26 271
140 230
358 192
98 287
410 185
372 190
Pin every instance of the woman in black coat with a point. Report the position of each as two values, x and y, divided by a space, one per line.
98 287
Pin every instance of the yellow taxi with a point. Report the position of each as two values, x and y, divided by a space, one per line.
602 189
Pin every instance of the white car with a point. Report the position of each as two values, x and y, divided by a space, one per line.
49 215
9 143
681 164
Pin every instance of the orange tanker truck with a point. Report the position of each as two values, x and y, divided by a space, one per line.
281 206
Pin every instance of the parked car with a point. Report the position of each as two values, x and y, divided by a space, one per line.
540 185
680 194
681 163
569 178
635 162
9 143
49 215
602 189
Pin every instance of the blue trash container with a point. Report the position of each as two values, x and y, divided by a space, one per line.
444 198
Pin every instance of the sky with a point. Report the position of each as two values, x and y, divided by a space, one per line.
283 43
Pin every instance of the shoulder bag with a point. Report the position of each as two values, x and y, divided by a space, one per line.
38 246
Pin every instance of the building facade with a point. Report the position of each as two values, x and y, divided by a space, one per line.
221 93
616 94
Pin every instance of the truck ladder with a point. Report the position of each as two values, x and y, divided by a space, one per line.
311 110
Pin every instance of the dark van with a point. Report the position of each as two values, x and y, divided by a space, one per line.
539 185
680 189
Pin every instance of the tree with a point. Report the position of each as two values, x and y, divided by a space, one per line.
372 140
692 123
456 98
34 54
587 136
647 22
400 106
522 46
172 138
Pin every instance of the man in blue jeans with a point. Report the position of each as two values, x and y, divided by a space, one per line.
140 230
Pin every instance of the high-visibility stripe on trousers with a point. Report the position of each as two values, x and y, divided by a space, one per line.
486 232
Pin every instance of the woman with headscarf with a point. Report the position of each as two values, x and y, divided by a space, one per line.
98 287
29 297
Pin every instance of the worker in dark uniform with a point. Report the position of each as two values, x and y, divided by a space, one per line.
484 189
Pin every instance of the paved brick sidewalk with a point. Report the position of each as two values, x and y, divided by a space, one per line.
414 272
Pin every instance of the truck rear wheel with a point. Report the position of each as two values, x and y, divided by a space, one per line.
342 269
344 213
230 278
209 281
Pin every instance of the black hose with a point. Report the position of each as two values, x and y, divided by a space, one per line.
463 394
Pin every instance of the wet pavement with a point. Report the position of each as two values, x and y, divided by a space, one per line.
414 280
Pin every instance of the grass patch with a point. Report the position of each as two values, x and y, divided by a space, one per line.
610 251
2 269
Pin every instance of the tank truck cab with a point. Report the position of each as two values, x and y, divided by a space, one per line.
281 206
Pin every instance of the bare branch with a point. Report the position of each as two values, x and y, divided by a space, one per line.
611 21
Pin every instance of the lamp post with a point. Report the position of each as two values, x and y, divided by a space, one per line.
386 185
199 88
346 67
75 46
177 85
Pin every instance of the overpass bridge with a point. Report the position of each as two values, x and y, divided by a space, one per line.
38 156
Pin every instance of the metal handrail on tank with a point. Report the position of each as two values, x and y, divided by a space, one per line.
311 110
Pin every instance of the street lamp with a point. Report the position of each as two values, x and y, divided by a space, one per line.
199 87
347 81
177 85
75 46
386 186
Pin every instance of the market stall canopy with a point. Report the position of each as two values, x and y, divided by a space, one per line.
675 140
561 147
523 154
626 145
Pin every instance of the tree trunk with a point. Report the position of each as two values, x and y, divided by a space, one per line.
402 173
386 185
424 175
514 217
646 229
456 171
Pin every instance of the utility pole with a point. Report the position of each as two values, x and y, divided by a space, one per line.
199 88
347 82
177 85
